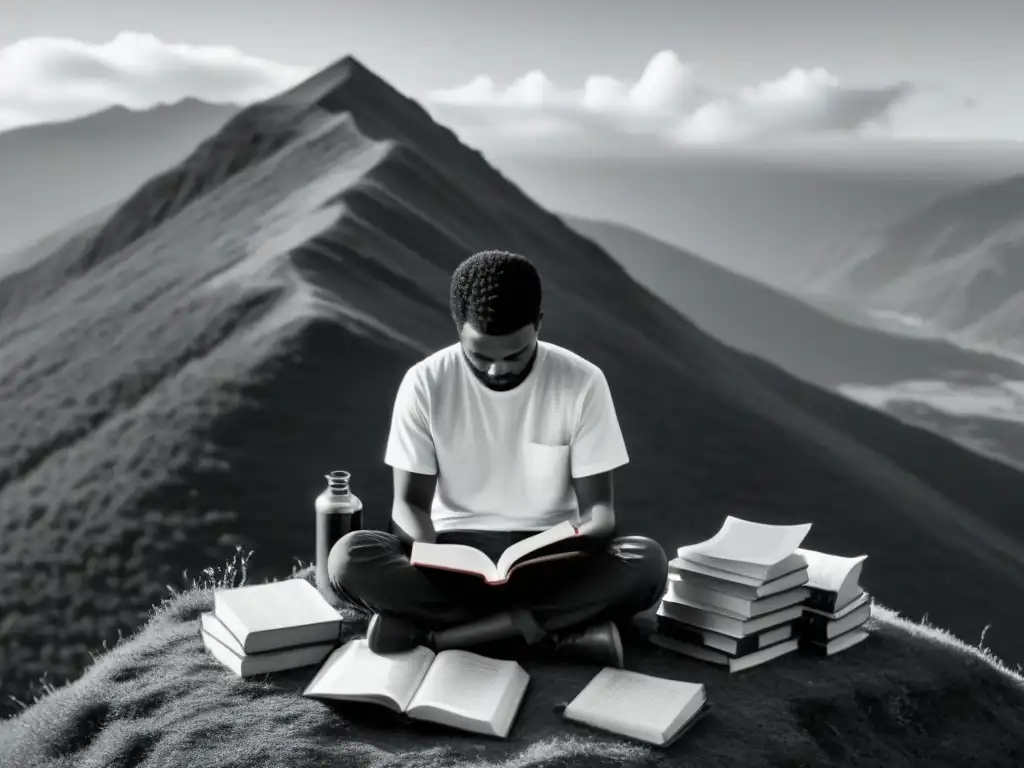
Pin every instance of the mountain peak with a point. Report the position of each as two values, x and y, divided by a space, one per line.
345 75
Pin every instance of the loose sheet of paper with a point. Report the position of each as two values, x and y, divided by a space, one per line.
828 572
750 542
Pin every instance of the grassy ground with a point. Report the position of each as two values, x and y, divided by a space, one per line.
910 695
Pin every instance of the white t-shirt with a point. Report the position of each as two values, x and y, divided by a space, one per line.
504 460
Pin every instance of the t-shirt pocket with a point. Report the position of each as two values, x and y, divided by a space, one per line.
547 475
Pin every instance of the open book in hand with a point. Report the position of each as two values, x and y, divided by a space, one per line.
455 688
553 543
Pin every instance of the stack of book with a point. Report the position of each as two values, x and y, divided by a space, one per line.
736 598
263 628
837 607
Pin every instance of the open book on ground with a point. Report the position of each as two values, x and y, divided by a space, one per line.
276 615
651 709
454 688
833 581
226 649
756 550
554 543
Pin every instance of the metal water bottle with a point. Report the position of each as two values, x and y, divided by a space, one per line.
338 511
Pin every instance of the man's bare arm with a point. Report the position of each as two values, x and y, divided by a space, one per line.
594 495
410 510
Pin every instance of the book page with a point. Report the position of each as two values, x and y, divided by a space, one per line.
846 640
830 573
845 610
454 557
634 704
541 559
215 628
466 684
520 549
773 587
763 655
355 672
692 566
849 621
749 542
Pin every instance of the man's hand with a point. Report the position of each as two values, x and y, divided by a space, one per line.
411 523
598 522
594 496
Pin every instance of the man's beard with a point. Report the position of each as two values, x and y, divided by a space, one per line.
504 384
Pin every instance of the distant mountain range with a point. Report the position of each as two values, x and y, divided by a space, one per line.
180 374
59 172
780 214
781 327
813 340
957 265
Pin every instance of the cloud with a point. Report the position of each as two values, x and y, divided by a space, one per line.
44 79
667 103
48 78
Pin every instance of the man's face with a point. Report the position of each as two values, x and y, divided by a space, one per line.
500 362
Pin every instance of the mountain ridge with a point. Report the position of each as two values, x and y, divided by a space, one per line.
45 165
955 264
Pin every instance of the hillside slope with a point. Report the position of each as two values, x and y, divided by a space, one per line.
908 696
956 264
240 325
56 173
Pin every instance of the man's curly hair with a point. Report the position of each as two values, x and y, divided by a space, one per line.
497 292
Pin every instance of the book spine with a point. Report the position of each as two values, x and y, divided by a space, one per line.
812 647
809 628
675 630
821 600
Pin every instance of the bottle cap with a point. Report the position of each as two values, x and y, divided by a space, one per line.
337 480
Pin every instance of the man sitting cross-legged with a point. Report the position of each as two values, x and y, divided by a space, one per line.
493 439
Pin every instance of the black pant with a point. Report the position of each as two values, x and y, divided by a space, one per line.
617 578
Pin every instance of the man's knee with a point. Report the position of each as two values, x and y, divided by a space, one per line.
647 558
355 554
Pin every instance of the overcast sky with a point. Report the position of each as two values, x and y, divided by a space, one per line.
716 70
